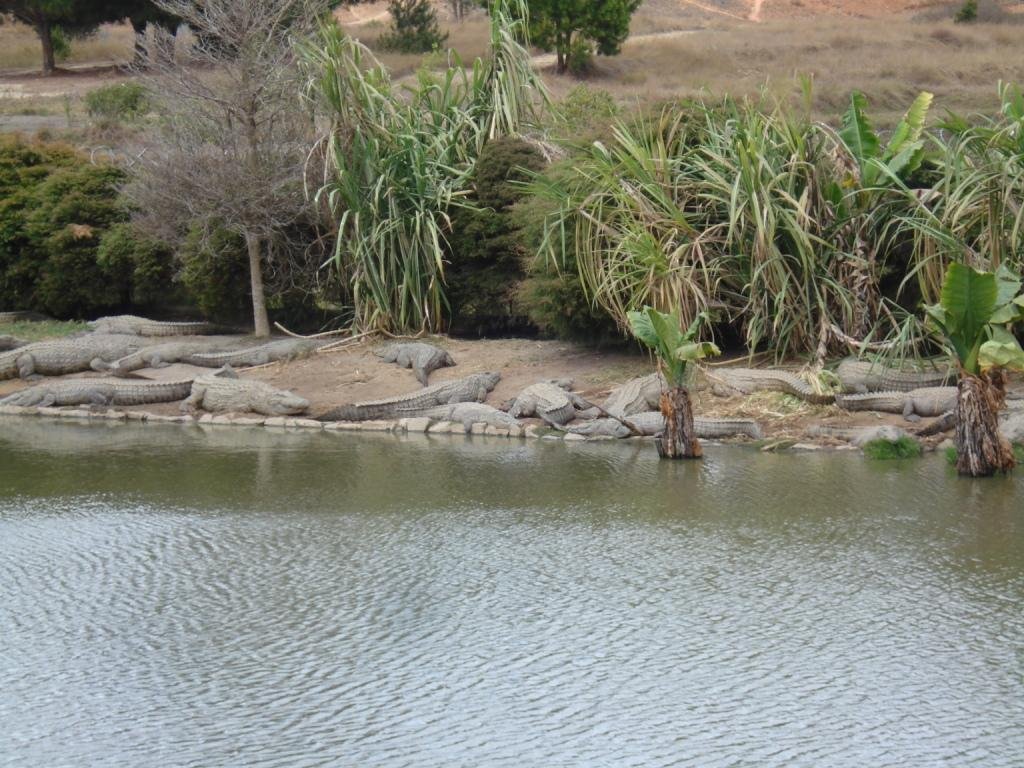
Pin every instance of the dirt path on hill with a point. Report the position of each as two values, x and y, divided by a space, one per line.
755 11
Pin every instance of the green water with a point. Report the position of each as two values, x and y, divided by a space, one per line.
226 597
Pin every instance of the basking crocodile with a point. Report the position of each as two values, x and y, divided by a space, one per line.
224 391
858 435
142 326
271 352
652 423
100 392
424 359
57 357
22 317
549 400
636 396
469 414
927 401
863 376
473 388
9 342
749 380
162 355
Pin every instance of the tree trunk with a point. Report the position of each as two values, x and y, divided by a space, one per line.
260 321
981 450
45 32
678 441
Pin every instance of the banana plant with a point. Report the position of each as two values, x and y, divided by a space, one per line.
676 350
975 317
901 156
868 172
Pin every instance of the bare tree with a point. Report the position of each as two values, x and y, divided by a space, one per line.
234 134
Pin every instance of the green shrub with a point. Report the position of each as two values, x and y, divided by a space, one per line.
552 295
968 12
414 28
585 109
121 101
55 210
215 272
145 265
580 58
885 450
486 251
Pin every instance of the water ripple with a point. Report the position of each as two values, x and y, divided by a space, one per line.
374 603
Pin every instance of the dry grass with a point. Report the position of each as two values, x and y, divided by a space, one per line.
890 61
20 49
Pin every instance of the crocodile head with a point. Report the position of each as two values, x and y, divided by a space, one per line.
490 379
26 398
283 403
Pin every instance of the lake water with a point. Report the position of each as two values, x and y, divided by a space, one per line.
183 597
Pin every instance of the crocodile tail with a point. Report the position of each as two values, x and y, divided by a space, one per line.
342 413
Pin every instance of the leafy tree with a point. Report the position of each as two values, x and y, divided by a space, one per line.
555 25
414 27
675 350
975 316
73 17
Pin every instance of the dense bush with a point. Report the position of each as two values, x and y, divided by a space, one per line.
552 296
55 210
145 267
121 101
487 257
214 271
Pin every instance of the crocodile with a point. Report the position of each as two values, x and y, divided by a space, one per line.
159 355
271 352
859 436
636 396
728 381
8 343
863 376
57 357
549 400
927 401
472 388
652 423
424 359
469 414
22 317
100 392
142 326
224 391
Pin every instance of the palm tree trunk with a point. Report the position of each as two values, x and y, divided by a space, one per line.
981 450
260 321
679 440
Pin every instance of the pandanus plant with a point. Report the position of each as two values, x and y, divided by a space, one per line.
675 351
975 317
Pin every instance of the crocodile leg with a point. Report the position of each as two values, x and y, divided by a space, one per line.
421 374
99 364
26 367
195 400
908 410
48 400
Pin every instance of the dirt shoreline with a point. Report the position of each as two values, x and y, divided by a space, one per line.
355 373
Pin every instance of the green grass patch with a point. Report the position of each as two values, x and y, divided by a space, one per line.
951 456
44 329
886 450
